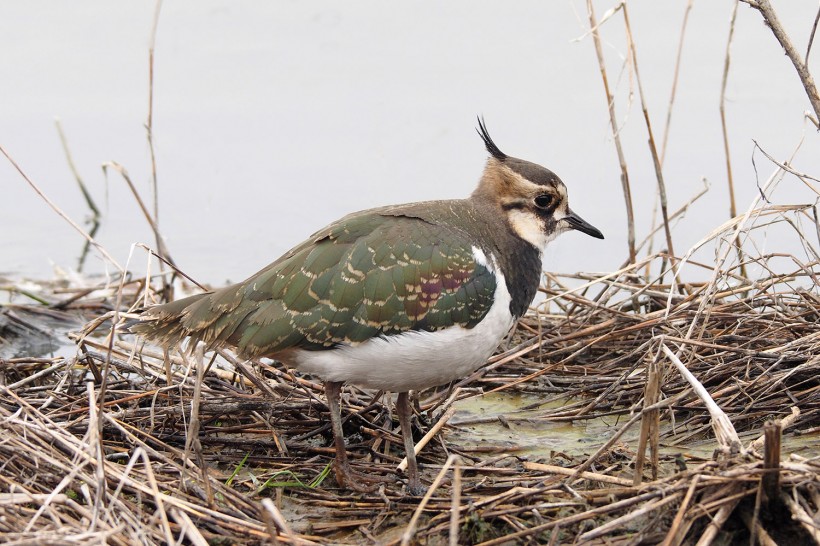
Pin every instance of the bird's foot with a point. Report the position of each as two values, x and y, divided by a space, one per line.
415 488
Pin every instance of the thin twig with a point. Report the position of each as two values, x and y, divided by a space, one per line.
410 531
725 131
613 121
675 80
167 283
161 249
652 148
770 16
455 506
811 36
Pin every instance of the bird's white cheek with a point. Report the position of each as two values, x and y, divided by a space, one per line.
530 228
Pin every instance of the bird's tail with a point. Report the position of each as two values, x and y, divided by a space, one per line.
169 323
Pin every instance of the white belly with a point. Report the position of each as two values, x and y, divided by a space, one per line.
412 360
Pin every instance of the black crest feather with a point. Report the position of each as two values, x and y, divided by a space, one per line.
488 141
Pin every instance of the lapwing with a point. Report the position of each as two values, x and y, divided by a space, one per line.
399 298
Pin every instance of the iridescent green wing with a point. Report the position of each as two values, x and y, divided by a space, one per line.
367 275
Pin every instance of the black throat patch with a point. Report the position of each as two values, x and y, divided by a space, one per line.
521 264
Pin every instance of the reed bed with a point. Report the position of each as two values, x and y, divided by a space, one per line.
126 443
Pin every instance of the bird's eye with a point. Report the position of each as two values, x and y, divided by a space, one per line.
543 201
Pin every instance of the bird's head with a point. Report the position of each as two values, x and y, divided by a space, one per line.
532 197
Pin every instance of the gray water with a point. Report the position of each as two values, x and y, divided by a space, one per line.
272 119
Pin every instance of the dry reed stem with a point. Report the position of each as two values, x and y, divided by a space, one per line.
408 534
613 122
770 16
165 258
280 521
725 131
756 530
725 432
455 508
79 179
674 534
799 513
633 56
161 248
678 57
770 483
561 471
649 424
720 518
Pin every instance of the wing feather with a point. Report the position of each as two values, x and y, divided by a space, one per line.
368 275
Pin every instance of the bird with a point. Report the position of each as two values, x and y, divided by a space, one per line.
399 298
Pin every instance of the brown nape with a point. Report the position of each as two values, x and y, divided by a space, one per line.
495 182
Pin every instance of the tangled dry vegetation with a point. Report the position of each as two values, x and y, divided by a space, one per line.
126 445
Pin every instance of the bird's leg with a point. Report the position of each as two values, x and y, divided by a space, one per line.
345 476
405 413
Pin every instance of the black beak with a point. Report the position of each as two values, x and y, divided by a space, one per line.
576 222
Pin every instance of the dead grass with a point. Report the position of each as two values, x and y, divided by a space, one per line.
127 445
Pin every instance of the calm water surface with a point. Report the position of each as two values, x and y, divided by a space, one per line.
273 119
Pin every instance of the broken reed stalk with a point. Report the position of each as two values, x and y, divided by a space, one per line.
650 420
613 122
275 515
784 423
621 522
770 483
573 473
677 531
188 527
79 179
725 432
720 518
